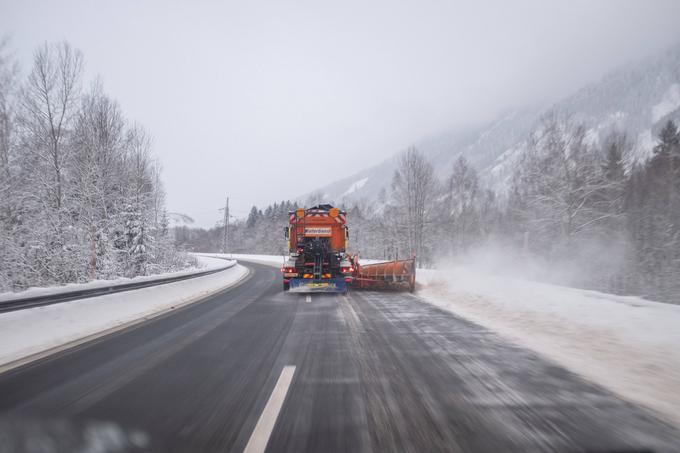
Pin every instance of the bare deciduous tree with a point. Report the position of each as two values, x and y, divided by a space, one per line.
49 101
414 188
560 179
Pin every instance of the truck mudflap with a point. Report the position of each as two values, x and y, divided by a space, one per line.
318 285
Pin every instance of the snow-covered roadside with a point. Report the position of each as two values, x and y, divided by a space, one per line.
271 260
205 264
626 344
32 332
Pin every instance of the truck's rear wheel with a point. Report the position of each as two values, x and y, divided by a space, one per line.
286 286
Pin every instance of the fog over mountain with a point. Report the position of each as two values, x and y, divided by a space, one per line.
233 92
637 98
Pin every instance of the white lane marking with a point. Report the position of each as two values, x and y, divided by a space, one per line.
308 299
265 425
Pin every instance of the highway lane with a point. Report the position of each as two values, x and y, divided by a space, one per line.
365 372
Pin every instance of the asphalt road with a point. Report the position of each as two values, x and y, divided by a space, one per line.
369 371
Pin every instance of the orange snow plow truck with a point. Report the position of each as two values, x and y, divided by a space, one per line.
318 260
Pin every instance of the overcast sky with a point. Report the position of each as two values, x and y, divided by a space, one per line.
269 100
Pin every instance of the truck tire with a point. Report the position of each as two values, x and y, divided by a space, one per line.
286 286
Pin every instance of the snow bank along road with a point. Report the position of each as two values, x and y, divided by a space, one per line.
34 332
253 368
36 297
624 343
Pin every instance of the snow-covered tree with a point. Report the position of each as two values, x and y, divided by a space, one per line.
9 208
558 180
653 212
50 101
80 195
461 215
97 173
414 190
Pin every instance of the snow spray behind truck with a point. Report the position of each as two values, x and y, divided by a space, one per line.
318 260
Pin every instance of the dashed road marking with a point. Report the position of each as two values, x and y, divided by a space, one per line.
308 299
265 425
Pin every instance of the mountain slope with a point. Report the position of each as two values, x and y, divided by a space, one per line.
638 98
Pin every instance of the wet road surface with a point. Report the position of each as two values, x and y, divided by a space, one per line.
253 368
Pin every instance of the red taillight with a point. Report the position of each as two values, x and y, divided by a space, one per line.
345 270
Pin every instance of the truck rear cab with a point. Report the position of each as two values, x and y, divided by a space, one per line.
317 241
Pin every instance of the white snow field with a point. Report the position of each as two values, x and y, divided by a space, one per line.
627 344
36 332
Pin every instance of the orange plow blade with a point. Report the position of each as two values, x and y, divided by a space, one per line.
398 275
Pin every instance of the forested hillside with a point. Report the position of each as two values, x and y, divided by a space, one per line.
637 98
81 195
574 211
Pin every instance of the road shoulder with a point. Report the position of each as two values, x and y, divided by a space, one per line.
31 334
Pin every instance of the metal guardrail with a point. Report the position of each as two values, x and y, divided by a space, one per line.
50 299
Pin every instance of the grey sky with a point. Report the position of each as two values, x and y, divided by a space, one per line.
268 100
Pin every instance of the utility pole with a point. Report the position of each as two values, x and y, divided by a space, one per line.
226 227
